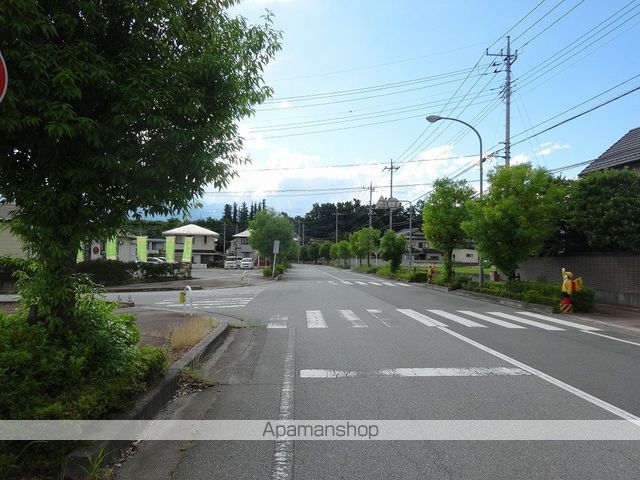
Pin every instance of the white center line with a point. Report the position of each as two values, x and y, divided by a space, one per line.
543 326
315 319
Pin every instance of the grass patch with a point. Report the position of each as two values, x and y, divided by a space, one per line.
181 338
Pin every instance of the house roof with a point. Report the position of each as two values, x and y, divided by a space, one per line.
244 234
191 229
6 210
625 151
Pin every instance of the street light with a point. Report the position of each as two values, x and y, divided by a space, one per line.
435 118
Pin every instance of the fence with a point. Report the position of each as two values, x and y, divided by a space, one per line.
615 278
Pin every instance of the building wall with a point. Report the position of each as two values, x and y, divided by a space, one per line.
9 243
614 278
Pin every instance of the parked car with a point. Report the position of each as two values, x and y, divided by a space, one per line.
154 260
231 263
264 262
246 264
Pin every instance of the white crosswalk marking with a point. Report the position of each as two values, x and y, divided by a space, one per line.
403 284
278 321
346 282
332 282
429 322
361 283
496 321
315 319
560 322
388 284
525 321
375 283
380 316
457 318
352 318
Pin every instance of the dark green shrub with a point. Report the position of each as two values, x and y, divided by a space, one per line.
155 271
583 301
267 271
9 266
107 272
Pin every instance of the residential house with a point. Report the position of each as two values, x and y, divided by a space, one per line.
624 153
424 253
204 244
240 246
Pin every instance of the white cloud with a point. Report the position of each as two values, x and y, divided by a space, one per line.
548 148
519 159
284 104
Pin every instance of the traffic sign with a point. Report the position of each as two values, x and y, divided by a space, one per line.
4 77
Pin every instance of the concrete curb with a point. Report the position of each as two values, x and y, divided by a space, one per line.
507 302
148 405
122 289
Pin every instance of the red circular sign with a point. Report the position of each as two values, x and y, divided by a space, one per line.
4 77
96 250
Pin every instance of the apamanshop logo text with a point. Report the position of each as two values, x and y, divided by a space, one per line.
326 430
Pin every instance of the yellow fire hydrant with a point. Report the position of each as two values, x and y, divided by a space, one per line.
182 296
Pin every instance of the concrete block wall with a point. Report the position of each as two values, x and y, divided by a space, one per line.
615 278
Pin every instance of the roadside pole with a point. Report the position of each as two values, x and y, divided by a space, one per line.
276 250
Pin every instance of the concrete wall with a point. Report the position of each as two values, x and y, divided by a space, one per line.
614 278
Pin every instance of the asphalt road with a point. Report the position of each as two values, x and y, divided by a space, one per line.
327 344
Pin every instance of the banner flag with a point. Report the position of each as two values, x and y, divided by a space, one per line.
112 249
141 250
188 250
170 249
80 255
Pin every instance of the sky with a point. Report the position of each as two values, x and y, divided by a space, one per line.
355 80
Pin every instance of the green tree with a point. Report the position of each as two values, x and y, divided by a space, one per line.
304 253
335 251
344 251
604 206
325 250
364 242
443 214
314 251
117 108
267 227
518 215
392 248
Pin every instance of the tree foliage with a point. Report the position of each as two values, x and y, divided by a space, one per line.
119 107
519 213
314 251
604 206
443 214
391 248
364 242
267 227
325 250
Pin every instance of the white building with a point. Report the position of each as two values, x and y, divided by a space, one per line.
204 243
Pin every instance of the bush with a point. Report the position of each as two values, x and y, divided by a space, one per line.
9 266
90 371
107 272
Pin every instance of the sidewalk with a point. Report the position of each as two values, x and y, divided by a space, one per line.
615 315
224 281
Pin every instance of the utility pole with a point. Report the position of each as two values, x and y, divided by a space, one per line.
370 202
337 222
298 240
224 237
391 169
508 60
